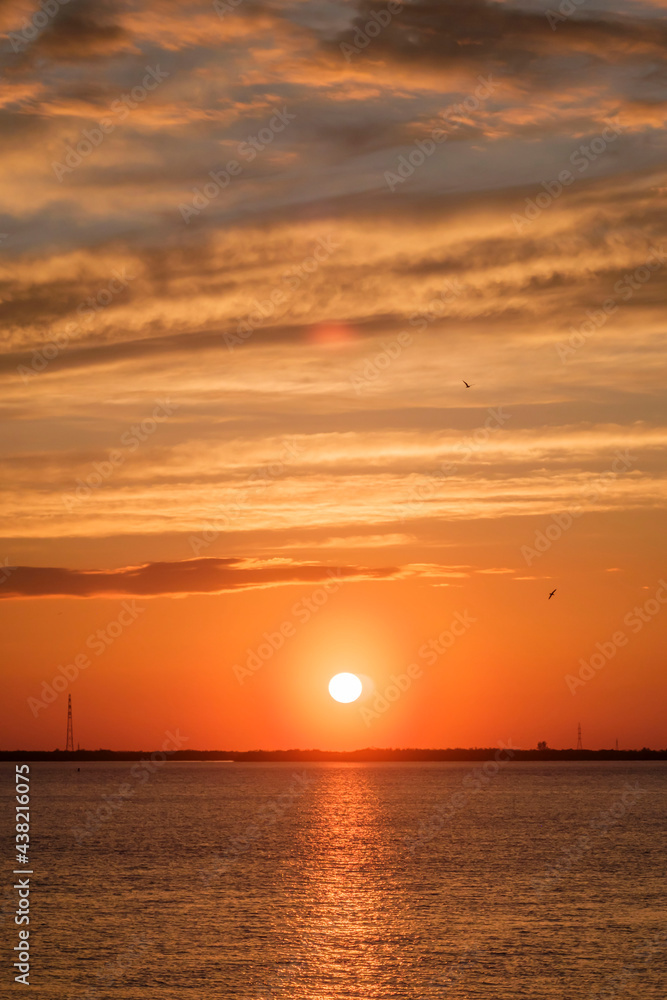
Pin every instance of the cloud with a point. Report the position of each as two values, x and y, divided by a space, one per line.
389 264
518 294
193 576
81 31
485 35
498 569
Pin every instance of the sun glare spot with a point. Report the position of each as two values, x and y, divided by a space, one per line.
345 687
331 334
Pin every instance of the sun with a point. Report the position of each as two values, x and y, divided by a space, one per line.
345 687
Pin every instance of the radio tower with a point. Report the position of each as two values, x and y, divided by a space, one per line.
580 745
70 730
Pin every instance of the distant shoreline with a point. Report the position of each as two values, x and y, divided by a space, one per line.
368 755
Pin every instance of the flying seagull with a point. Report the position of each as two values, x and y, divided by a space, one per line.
552 593
466 384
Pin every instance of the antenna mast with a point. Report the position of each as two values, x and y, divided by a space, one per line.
69 745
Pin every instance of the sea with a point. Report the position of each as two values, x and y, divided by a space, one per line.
421 881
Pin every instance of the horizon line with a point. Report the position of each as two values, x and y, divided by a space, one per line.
359 750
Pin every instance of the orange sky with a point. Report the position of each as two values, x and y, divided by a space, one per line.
241 286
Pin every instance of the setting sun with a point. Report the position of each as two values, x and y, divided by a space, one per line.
345 687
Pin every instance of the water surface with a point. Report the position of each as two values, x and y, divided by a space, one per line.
321 881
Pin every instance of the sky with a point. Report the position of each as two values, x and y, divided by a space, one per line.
250 251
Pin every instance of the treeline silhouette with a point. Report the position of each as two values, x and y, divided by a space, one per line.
369 754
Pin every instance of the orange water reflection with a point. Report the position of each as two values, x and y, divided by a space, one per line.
350 922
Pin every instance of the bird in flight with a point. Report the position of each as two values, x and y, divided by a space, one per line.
552 593
466 384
